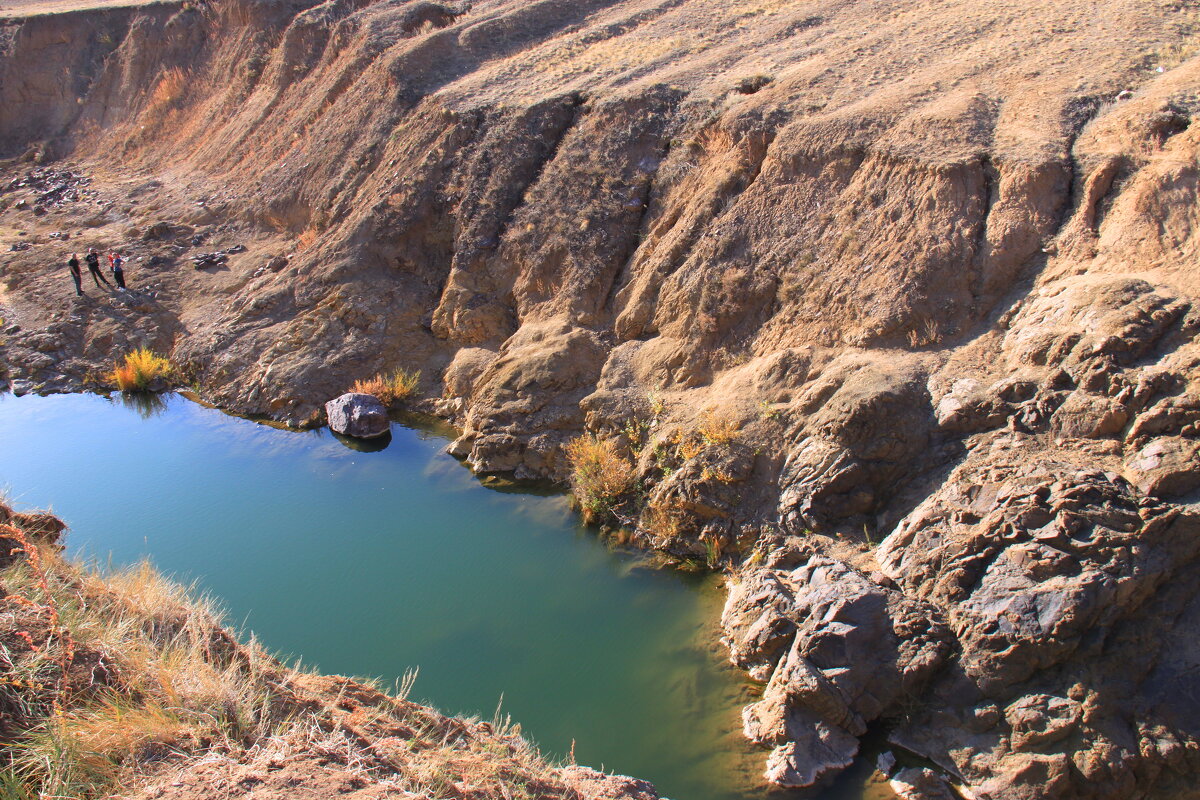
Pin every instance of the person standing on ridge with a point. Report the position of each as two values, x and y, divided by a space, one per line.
76 274
117 265
93 262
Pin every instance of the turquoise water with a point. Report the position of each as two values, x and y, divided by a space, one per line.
374 563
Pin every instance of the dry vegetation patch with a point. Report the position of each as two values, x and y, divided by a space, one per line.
140 369
718 428
600 475
390 389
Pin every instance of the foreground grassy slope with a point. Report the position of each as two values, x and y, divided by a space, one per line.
126 684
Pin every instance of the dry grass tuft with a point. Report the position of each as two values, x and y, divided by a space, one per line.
665 522
927 334
139 369
600 475
140 671
170 87
390 389
688 446
717 428
166 95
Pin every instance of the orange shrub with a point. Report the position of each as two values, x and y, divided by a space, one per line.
396 388
599 475
140 368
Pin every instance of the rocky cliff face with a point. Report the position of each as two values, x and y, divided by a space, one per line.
830 274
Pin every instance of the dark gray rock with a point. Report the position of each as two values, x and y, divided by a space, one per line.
857 650
1071 599
863 431
359 415
157 231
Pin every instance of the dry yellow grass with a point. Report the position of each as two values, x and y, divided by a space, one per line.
600 475
688 447
138 370
664 522
927 334
390 389
169 88
166 95
143 674
718 428
139 669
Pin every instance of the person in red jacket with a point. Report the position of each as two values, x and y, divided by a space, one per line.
117 265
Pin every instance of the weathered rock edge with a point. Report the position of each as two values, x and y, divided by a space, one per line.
1029 631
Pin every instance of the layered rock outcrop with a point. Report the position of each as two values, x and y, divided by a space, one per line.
840 649
1026 630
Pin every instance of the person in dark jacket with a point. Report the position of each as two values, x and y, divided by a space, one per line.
117 265
93 261
76 274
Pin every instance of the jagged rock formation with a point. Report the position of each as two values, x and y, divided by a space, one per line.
855 649
1064 598
825 271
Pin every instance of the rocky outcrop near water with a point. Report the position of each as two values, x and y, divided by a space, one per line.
1027 630
840 651
822 275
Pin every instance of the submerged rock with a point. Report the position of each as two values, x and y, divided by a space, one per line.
359 415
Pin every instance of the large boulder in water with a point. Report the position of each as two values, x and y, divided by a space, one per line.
359 415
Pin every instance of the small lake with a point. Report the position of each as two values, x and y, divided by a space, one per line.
374 563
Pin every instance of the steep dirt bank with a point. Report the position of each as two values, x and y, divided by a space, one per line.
126 686
831 274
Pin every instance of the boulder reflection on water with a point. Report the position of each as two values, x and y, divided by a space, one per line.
365 445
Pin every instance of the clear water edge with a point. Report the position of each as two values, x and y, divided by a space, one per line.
374 563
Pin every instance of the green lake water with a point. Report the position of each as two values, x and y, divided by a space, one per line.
374 563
